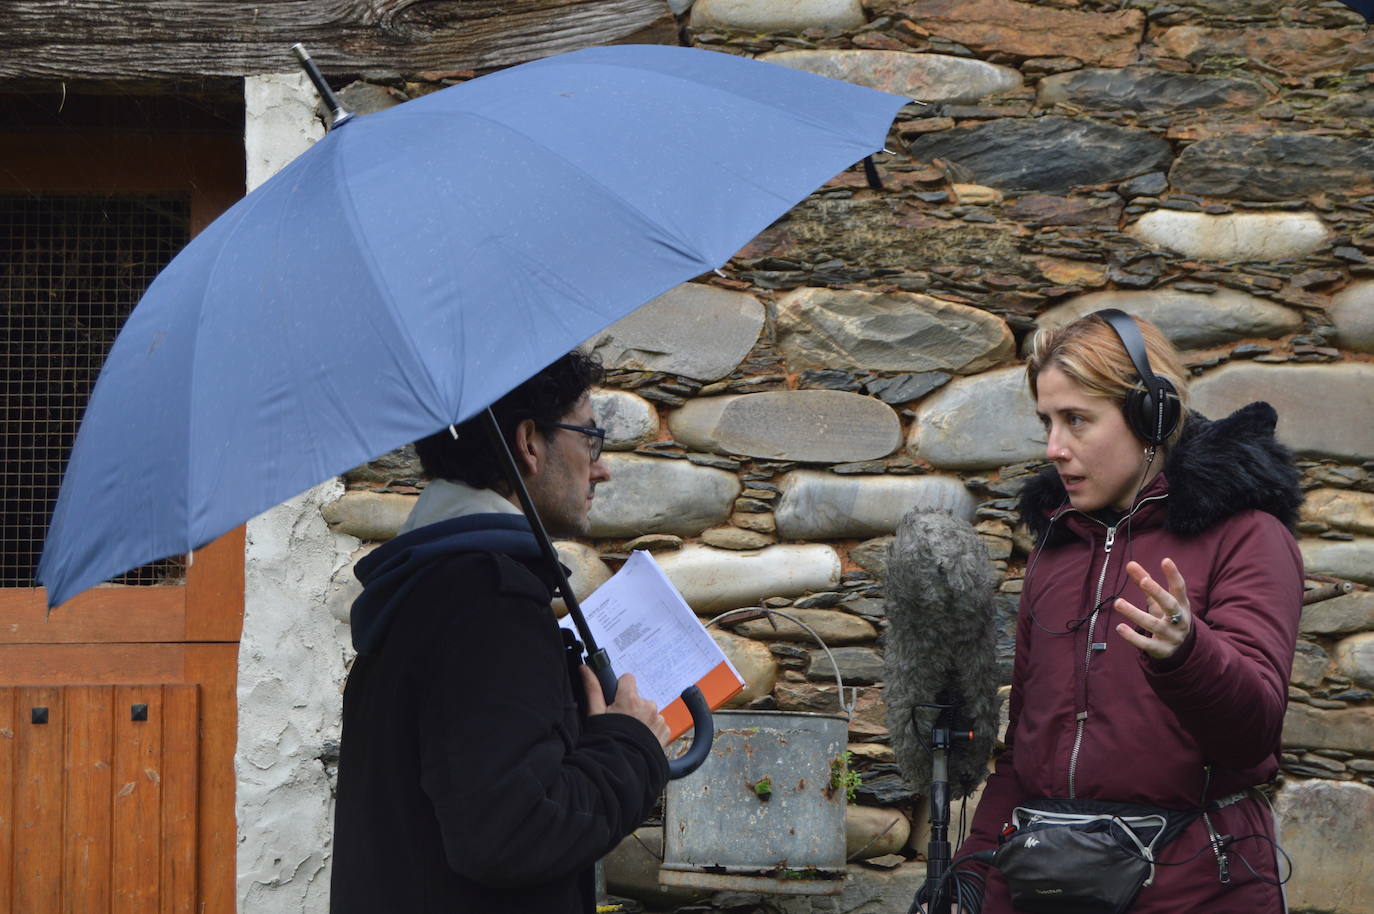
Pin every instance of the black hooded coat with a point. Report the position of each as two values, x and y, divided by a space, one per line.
470 778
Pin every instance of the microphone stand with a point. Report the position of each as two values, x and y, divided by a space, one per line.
943 737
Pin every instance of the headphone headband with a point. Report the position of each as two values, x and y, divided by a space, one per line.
1153 414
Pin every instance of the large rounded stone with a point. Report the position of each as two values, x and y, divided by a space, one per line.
1323 409
978 423
588 572
777 15
826 426
1051 154
1108 39
1278 167
1347 729
1234 236
1143 89
753 661
1341 508
831 626
1352 314
931 78
895 331
629 420
632 871
651 495
1355 657
1350 559
872 831
1191 320
818 505
1352 612
1326 833
1292 51
693 330
714 580
368 515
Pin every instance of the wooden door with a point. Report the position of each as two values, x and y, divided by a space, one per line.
117 710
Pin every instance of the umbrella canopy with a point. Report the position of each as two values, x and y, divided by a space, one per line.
416 264
1364 7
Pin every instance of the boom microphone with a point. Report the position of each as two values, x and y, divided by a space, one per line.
941 647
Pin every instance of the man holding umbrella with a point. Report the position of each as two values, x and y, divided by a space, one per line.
481 768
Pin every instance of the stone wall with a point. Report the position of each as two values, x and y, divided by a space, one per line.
1205 164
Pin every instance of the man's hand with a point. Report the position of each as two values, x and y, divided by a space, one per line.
627 701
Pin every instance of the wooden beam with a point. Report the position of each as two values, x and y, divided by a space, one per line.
168 39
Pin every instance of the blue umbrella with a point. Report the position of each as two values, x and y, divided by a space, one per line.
1364 7
415 264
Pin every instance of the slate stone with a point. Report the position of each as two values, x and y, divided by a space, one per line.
1309 662
1351 612
777 15
1051 154
1352 512
893 331
1333 871
931 78
1348 729
400 464
1352 314
906 387
730 537
883 784
1276 167
1322 408
1354 657
649 495
1294 51
1234 236
694 330
833 627
978 423
714 580
818 505
1048 209
1190 320
871 555
1028 30
632 871
1350 559
629 420
1144 89
805 425
1151 185
857 665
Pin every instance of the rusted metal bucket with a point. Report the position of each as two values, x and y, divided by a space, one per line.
765 813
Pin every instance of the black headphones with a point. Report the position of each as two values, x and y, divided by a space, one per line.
1152 413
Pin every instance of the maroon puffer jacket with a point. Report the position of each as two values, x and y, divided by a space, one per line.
1092 717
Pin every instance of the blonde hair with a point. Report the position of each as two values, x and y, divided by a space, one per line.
1091 355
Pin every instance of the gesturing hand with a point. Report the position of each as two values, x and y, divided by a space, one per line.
1167 622
627 701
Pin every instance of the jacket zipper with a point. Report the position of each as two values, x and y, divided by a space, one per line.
1082 715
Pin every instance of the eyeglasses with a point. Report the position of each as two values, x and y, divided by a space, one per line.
596 437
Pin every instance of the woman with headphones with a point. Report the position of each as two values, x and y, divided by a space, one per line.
1158 619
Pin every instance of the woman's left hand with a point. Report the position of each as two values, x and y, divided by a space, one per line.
1161 630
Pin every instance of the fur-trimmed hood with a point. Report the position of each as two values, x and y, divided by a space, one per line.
1217 469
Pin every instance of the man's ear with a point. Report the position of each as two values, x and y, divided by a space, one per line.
528 449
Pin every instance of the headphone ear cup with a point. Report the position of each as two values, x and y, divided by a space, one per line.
1140 412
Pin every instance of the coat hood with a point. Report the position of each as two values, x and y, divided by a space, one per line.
1217 469
389 572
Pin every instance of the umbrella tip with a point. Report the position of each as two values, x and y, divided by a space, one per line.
337 112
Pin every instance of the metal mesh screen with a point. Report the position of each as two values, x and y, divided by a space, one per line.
71 270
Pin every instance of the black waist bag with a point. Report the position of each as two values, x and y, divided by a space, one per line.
1084 856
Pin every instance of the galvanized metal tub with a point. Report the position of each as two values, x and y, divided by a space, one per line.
765 813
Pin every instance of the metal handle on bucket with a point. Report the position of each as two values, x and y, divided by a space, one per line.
847 707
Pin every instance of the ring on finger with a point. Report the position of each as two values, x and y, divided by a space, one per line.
1176 618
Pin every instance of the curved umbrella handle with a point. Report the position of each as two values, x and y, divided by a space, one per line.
703 733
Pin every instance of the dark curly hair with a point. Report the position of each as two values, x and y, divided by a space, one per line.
546 398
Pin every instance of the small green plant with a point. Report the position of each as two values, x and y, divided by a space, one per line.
763 788
842 777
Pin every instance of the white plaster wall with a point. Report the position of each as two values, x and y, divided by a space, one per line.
294 651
